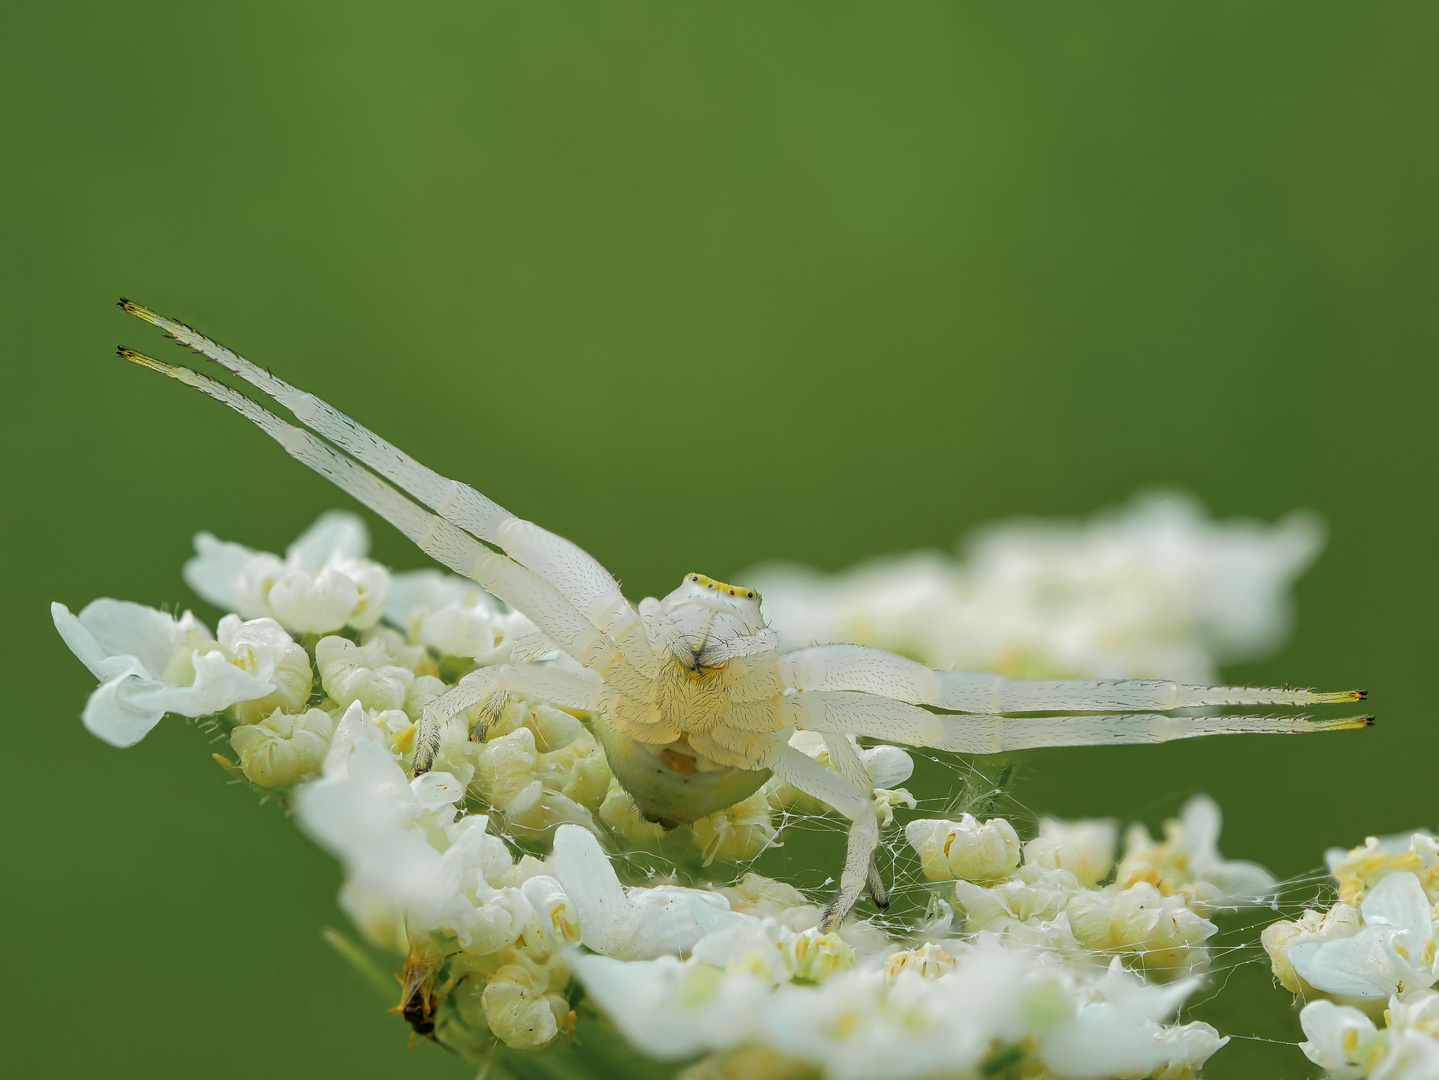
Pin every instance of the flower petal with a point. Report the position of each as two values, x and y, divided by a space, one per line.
80 641
123 628
122 710
1362 966
336 534
216 570
1399 901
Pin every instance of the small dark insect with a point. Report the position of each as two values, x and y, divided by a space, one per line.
420 991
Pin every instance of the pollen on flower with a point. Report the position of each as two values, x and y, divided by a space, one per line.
1187 862
1359 869
929 961
814 955
1346 1042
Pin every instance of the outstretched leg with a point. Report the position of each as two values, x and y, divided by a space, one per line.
809 776
573 571
521 588
874 671
898 721
489 685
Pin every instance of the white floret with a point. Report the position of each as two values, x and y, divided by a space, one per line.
324 582
283 748
1084 848
454 616
1188 861
1394 951
261 647
410 867
631 924
149 664
967 849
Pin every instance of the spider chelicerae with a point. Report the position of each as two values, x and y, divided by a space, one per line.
695 704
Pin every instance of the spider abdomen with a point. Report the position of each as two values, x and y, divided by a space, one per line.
670 785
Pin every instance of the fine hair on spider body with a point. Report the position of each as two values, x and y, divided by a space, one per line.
695 704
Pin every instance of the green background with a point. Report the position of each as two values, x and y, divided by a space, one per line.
697 286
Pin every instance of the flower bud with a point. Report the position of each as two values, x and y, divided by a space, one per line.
964 849
929 961
815 956
1084 848
283 749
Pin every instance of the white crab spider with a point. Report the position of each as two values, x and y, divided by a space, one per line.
696 701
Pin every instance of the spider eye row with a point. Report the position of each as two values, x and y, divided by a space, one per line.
720 586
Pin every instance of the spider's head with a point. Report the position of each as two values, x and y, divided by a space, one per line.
708 622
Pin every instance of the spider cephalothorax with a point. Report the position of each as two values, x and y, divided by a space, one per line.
695 704
706 623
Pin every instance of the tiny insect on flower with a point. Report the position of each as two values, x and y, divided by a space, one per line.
696 702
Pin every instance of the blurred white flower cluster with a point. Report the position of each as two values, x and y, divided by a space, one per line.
1155 589
490 873
1347 1043
1374 946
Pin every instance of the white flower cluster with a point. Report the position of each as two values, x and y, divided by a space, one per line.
1346 1042
323 583
951 1009
150 663
1379 937
538 766
489 872
755 971
1155 589
455 617
1375 946
1153 914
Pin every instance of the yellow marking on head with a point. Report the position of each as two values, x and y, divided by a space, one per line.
742 592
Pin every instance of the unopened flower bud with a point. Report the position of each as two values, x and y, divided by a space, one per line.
964 849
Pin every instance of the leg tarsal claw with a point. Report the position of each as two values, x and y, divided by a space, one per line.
878 890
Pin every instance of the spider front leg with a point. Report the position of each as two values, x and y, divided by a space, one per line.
487 687
868 715
583 583
520 587
874 671
809 776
